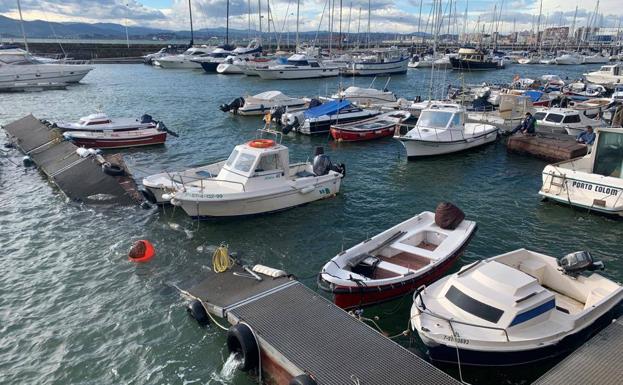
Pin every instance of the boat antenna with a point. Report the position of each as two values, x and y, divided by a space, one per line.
21 19
190 13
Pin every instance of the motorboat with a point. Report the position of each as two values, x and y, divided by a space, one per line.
117 139
367 96
563 120
380 62
472 59
512 309
441 129
572 58
184 60
102 122
593 182
238 57
19 69
592 108
397 261
230 66
257 178
584 89
597 58
380 126
532 59
211 61
444 62
164 51
261 103
298 66
548 60
318 120
249 66
608 75
425 61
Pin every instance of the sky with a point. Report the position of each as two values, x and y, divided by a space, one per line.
401 16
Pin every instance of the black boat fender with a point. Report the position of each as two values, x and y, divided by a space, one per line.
303 379
112 169
198 312
240 339
147 194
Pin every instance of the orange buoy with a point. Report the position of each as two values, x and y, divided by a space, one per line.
262 143
141 251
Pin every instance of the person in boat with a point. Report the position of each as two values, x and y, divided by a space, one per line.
587 136
527 125
267 119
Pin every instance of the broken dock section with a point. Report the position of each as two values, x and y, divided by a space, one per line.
550 147
299 332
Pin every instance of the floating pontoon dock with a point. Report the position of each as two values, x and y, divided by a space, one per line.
81 179
550 147
301 332
598 362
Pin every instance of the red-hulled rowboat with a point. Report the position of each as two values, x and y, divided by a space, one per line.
374 128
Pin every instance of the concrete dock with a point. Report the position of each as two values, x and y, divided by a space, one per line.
299 332
598 362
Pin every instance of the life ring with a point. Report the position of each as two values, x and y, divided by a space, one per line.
303 379
240 339
262 143
198 312
141 251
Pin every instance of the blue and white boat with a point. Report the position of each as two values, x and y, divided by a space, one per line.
319 119
515 308
381 62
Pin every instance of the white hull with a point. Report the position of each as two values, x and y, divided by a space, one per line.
297 73
227 68
418 148
269 201
369 69
177 63
42 73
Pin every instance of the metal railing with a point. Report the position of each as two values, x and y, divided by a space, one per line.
454 134
201 180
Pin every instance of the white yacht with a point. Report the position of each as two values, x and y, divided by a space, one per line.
425 61
608 75
572 58
261 103
441 129
593 182
238 57
18 68
185 59
211 61
597 58
563 120
380 62
256 178
298 66
513 309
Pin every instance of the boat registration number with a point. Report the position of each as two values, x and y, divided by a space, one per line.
597 188
456 339
207 196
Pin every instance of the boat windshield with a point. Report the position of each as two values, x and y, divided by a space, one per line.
609 155
244 162
434 119
232 158
473 306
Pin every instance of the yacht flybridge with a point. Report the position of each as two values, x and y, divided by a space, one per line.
299 66
593 182
256 178
19 69
441 129
515 308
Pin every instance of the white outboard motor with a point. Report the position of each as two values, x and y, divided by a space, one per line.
575 263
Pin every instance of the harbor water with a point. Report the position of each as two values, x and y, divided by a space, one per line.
74 310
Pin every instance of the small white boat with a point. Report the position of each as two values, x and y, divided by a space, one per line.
532 59
117 139
367 96
183 60
593 182
421 62
441 129
597 58
298 66
608 75
396 261
102 122
261 103
563 120
584 89
257 178
572 58
513 309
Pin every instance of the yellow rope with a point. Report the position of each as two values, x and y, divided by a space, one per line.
221 261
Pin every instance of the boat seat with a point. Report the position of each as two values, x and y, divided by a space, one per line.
413 250
205 174
595 296
407 261
304 174
533 268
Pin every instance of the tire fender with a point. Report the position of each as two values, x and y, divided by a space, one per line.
241 340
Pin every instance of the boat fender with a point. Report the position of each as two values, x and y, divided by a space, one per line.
141 251
27 161
198 312
112 169
240 339
303 379
269 271
307 190
148 195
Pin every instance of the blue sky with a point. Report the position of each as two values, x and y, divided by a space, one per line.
387 15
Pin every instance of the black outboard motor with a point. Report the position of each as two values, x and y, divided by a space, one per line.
233 106
322 164
314 103
277 113
575 263
289 127
147 119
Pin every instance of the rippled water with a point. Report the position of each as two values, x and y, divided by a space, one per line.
74 310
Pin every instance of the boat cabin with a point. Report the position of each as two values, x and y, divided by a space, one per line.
471 54
607 154
557 117
94 119
441 116
612 69
300 60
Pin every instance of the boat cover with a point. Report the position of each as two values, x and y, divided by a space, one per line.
329 108
535 96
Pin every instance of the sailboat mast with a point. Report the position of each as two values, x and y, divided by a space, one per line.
369 8
341 38
358 27
350 14
227 25
268 21
298 5
259 17
21 19
190 13
538 24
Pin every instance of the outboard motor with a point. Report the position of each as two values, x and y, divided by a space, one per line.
575 263
322 164
314 103
161 127
233 106
291 122
277 113
147 119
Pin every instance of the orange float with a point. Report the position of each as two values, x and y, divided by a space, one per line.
141 251
262 143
